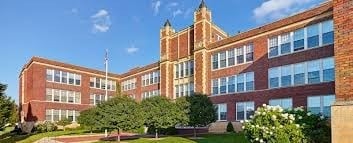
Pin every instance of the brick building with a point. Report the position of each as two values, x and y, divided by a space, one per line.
289 62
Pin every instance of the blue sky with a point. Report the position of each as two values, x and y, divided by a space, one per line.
79 31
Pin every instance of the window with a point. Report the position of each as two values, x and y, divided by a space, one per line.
50 75
327 32
56 76
231 84
249 81
328 66
186 88
56 95
71 97
223 88
49 94
285 103
64 77
223 62
56 115
151 79
176 70
71 78
231 59
221 112
313 36
244 110
215 61
274 79
181 66
299 74
155 77
314 71
77 79
285 43
299 39
63 96
191 88
286 76
321 104
186 65
249 53
48 115
91 81
215 86
240 83
98 83
191 67
63 114
77 113
273 47
91 99
77 97
70 115
181 88
240 55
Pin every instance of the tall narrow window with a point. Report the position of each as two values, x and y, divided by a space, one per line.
299 74
244 110
215 87
48 114
273 47
231 59
215 61
313 36
98 83
151 78
249 52
56 95
240 83
231 84
314 71
71 97
181 66
223 60
274 77
49 94
177 91
176 70
285 43
77 79
91 81
71 78
327 32
222 112
63 77
223 87
56 76
299 39
186 88
249 81
286 76
186 65
191 88
91 99
155 77
70 115
63 96
77 97
240 55
181 88
103 84
191 67
56 115
50 75
328 66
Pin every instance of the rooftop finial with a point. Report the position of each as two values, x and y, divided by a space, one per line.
167 23
202 4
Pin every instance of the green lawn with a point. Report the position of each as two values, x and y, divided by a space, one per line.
210 138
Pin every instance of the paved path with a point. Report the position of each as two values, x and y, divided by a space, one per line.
90 138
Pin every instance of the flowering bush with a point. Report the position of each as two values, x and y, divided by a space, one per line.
271 124
315 127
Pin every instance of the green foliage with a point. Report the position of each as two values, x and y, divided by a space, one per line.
46 126
88 118
64 122
271 125
121 113
230 128
316 128
202 112
8 108
182 106
160 113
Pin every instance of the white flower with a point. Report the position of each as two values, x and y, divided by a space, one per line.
300 117
257 126
264 105
308 113
291 117
280 109
274 117
246 120
263 113
271 133
261 141
251 116
297 125
243 127
280 126
256 139
290 121
273 127
241 121
252 126
322 117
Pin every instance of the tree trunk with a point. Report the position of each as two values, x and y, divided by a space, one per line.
156 134
91 129
194 131
118 135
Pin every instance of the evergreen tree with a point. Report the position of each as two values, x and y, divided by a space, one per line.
7 107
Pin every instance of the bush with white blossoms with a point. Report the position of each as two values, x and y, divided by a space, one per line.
316 128
270 124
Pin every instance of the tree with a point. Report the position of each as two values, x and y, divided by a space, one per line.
7 106
88 118
120 113
64 122
230 128
202 112
160 113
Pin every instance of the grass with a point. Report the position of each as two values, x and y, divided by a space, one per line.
6 130
29 138
209 138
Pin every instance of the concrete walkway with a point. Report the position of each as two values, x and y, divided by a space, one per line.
87 138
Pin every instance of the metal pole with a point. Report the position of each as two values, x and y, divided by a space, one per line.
106 83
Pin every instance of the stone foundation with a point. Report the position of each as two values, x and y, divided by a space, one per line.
342 122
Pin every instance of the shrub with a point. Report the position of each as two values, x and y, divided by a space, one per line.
316 128
230 128
64 122
46 127
167 131
271 125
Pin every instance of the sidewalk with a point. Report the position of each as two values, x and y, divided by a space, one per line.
86 138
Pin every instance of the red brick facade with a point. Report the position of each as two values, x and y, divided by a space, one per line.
197 42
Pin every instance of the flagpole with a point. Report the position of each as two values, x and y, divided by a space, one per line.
106 82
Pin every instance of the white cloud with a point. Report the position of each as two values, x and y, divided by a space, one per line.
177 12
156 5
132 49
171 5
101 21
275 9
187 12
74 10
